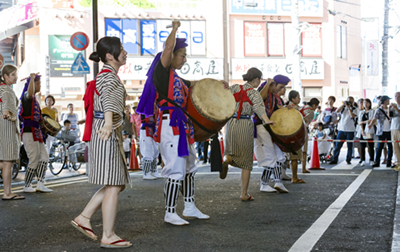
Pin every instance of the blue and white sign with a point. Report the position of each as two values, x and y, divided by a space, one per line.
307 8
113 27
198 37
129 35
163 33
148 38
80 66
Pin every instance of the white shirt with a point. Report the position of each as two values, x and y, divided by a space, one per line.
127 144
346 123
386 125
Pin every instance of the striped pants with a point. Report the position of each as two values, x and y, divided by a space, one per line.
38 158
172 188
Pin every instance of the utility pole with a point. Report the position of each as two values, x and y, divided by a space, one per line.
226 46
95 34
385 41
296 76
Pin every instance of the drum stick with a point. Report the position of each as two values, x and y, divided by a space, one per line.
168 26
28 77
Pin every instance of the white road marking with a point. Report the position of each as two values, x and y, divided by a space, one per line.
396 222
344 166
308 240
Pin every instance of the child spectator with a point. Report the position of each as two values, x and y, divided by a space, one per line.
320 132
126 144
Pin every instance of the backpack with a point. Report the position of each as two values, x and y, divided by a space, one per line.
88 99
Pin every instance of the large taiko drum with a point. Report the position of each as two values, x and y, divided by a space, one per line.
289 129
211 105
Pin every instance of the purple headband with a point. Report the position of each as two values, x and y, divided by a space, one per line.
180 43
146 102
37 78
281 79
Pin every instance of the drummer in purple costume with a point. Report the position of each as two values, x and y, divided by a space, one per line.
174 131
268 154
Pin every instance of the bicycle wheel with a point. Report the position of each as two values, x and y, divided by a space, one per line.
58 161
15 170
76 166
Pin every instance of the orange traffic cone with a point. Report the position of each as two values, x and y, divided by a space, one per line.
254 157
221 144
133 163
315 164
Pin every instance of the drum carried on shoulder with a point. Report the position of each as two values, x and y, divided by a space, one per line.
50 126
211 105
289 129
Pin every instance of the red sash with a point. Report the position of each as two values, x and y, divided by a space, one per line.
241 97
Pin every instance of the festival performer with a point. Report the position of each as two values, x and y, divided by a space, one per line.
53 114
105 103
268 154
31 115
9 129
174 131
239 134
148 148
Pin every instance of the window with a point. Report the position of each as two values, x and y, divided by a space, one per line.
254 39
311 41
341 41
312 92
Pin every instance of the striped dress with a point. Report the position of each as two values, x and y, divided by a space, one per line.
107 158
9 130
239 135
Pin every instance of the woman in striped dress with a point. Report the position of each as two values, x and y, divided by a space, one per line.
239 135
106 154
9 129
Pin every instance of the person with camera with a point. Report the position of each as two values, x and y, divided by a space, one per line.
346 129
382 117
395 128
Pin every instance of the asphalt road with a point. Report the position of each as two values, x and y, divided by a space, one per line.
344 208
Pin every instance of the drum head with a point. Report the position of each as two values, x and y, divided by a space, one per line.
212 100
287 122
52 123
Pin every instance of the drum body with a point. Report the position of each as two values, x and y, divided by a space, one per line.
211 105
289 128
50 126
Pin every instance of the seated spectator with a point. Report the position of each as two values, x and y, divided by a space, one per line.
320 132
329 116
68 135
346 129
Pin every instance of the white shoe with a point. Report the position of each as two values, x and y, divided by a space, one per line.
286 177
148 176
156 175
41 188
29 189
280 188
362 163
267 188
371 163
192 211
174 219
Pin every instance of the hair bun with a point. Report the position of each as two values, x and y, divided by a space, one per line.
244 76
95 57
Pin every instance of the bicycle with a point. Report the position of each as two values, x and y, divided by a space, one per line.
70 157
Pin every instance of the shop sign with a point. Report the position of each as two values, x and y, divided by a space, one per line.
307 8
17 15
311 69
148 38
62 56
193 69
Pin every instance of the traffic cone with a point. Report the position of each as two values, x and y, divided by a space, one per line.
221 144
315 165
133 163
254 157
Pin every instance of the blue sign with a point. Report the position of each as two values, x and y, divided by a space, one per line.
80 66
113 27
79 41
148 38
129 35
